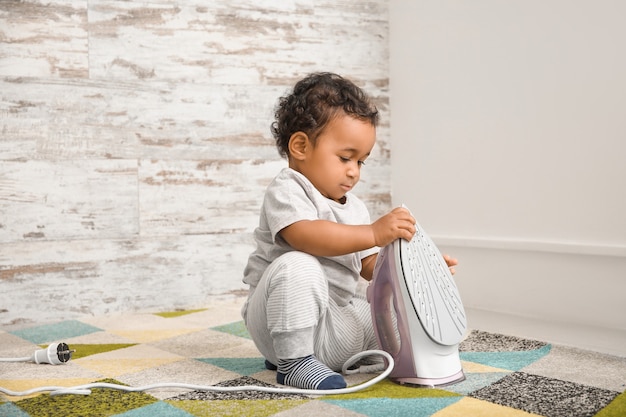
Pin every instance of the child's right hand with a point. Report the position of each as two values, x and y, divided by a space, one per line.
399 223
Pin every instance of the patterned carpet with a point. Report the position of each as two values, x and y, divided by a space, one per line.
505 376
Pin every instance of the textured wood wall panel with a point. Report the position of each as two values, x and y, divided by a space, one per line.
237 41
70 199
135 144
61 279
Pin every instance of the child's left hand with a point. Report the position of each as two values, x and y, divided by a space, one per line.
451 263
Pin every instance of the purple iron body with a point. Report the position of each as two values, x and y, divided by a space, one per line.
417 312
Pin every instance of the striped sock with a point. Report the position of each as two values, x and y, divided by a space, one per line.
308 373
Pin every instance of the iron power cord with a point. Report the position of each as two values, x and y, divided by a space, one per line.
63 355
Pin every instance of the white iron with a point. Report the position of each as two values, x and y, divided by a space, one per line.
417 312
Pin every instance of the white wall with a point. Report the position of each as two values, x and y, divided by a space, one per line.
509 136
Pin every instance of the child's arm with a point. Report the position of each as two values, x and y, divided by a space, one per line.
367 266
326 238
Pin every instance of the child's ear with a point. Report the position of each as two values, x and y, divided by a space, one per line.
298 143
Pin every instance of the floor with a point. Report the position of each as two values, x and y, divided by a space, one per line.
505 376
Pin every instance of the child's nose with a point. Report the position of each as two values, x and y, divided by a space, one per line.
353 170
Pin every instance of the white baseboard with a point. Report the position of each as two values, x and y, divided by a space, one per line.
560 292
609 341
538 245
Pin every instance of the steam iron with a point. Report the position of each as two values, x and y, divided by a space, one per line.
417 312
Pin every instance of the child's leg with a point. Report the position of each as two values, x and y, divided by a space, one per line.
286 306
364 313
345 331
282 317
370 342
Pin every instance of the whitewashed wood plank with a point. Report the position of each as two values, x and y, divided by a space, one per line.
237 42
95 199
44 118
210 196
44 38
57 119
70 279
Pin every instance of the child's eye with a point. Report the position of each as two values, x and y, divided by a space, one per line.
346 160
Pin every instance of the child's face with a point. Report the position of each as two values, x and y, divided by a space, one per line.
333 165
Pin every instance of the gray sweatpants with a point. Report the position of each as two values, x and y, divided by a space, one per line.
290 314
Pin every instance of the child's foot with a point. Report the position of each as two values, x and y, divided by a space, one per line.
269 365
308 373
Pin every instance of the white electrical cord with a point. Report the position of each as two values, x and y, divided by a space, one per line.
24 359
86 389
55 354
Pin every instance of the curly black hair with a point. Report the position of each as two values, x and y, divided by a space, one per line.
314 102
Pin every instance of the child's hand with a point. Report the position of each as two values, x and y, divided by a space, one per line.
394 225
451 263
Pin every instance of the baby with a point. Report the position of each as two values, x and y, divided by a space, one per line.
315 238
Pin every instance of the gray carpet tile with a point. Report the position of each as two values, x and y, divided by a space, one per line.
238 395
546 396
479 341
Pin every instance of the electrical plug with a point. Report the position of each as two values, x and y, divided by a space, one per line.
55 354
